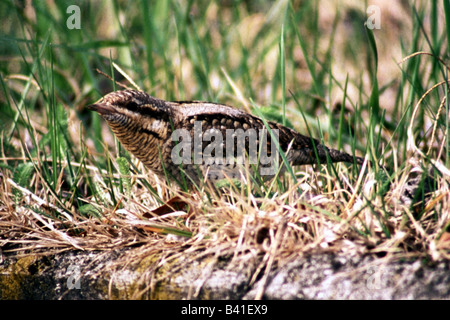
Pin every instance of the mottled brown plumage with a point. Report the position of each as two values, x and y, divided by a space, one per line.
144 125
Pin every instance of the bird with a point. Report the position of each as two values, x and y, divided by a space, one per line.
196 141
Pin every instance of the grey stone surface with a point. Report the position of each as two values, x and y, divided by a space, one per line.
91 275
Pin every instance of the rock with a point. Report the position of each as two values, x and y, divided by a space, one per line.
96 275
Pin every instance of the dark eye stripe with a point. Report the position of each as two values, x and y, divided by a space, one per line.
151 110
155 134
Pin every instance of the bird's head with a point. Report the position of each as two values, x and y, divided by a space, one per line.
134 112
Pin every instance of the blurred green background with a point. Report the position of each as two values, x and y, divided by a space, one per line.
292 58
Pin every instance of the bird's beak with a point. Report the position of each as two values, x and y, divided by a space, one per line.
102 108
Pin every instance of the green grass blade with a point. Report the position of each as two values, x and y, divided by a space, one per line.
283 74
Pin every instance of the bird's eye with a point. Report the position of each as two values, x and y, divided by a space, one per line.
132 106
